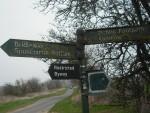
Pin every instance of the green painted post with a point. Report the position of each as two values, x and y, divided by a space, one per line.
84 79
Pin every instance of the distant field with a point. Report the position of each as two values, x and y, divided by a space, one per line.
9 106
4 99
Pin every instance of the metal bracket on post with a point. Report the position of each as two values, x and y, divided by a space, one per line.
83 77
84 84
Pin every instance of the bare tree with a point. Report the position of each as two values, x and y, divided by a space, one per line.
33 85
128 60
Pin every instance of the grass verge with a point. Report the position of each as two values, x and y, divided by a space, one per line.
69 106
109 109
9 106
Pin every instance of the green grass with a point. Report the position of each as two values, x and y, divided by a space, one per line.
9 106
66 106
69 106
5 107
109 109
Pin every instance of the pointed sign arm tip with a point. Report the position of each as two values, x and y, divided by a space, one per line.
1 47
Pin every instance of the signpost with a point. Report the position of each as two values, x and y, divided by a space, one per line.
117 34
98 82
64 71
39 49
82 62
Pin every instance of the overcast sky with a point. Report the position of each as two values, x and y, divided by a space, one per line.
18 20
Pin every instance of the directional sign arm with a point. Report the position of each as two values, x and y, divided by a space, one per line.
64 71
117 34
7 47
39 49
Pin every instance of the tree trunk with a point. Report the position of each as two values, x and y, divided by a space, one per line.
138 105
145 107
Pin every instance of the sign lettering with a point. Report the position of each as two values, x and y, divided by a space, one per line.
64 71
118 34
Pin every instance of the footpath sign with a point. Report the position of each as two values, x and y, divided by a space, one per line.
91 82
64 71
39 49
117 34
98 82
